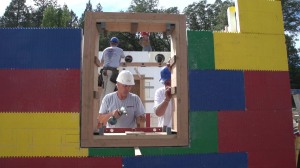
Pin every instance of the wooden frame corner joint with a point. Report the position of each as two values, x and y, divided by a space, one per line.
170 28
101 27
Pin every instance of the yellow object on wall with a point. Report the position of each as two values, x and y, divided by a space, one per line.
259 16
40 134
241 51
232 27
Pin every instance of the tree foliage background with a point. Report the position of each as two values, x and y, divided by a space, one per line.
200 16
291 18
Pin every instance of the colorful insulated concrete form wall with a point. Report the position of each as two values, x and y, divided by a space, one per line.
240 104
241 81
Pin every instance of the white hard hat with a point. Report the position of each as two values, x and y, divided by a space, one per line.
125 77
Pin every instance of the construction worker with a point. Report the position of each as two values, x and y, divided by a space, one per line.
163 101
145 41
111 59
112 104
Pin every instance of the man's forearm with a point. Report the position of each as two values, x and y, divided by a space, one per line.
161 108
103 118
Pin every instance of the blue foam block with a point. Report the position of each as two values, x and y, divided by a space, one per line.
35 48
224 160
216 90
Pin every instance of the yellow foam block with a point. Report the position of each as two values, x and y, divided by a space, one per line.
260 17
40 134
236 51
257 5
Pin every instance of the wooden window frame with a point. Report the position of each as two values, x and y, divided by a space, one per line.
171 24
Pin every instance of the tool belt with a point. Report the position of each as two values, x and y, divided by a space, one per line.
100 79
110 68
115 73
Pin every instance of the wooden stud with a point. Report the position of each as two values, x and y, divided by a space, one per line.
87 86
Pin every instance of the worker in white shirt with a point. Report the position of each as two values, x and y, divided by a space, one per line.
163 101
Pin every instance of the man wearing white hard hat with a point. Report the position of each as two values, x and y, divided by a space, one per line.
110 113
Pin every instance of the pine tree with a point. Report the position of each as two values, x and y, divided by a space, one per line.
98 8
88 8
74 20
203 16
145 6
41 6
56 17
16 15
291 17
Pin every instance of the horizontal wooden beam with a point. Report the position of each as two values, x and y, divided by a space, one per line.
139 27
129 22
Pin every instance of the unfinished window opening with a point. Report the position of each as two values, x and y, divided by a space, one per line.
101 23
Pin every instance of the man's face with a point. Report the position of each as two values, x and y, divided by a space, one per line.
168 82
123 90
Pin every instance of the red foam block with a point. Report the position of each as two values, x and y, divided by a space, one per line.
267 133
51 162
267 90
40 90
